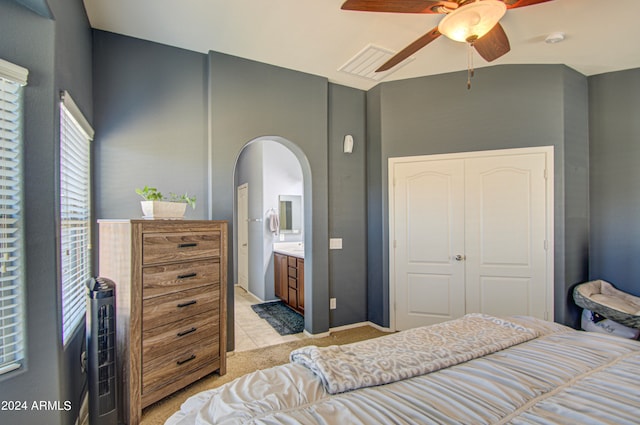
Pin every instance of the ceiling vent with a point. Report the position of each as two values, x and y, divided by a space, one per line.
365 63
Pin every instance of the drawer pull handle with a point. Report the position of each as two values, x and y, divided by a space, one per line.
187 332
187 276
188 303
188 359
187 245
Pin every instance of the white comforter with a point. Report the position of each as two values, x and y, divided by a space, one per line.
561 377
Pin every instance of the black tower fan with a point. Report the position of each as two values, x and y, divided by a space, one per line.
101 351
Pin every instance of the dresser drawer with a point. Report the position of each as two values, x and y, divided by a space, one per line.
172 366
169 247
176 306
164 339
164 279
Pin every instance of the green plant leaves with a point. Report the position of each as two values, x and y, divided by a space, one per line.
152 194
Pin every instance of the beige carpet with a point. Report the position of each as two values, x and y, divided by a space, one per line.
241 363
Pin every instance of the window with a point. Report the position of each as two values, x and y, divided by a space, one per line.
12 324
75 213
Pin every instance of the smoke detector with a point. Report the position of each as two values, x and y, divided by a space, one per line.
554 38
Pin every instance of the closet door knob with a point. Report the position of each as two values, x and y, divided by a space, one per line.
459 257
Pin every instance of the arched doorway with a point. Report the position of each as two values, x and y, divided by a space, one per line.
267 168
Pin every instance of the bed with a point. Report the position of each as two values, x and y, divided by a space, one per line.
474 370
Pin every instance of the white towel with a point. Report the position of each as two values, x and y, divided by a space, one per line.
274 221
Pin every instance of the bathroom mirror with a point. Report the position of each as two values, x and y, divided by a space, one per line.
290 213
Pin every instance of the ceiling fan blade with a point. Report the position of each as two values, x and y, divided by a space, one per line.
512 4
493 44
410 49
398 6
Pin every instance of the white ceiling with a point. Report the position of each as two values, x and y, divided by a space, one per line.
316 37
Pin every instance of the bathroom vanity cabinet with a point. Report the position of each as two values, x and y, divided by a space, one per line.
289 280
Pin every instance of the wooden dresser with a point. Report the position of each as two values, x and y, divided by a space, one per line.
170 278
289 280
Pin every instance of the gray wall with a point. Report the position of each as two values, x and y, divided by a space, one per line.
507 107
74 74
58 56
160 112
248 100
377 297
150 122
347 206
41 7
575 213
615 179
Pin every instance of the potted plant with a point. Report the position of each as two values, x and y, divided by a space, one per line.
156 205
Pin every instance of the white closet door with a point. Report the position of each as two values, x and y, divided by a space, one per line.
469 234
505 218
428 225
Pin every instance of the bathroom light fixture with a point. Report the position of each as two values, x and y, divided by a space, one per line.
347 145
469 23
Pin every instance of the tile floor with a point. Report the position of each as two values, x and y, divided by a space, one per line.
251 331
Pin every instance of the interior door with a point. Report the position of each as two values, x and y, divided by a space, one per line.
505 243
469 234
428 219
243 236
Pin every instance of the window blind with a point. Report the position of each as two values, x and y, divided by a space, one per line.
12 323
75 213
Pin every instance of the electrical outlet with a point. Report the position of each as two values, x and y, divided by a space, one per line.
332 303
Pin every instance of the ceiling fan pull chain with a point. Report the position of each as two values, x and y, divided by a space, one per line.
470 70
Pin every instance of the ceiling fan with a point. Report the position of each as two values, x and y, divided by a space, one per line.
475 22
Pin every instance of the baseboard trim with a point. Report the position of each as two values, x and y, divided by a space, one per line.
345 327
320 335
380 328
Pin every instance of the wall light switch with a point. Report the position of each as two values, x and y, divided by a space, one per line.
335 243
332 303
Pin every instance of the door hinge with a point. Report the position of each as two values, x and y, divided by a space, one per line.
546 245
545 174
394 244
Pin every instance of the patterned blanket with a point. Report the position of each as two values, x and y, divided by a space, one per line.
409 353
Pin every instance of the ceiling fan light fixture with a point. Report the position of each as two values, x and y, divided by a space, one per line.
472 21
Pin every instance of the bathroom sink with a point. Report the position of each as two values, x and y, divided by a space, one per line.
295 249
